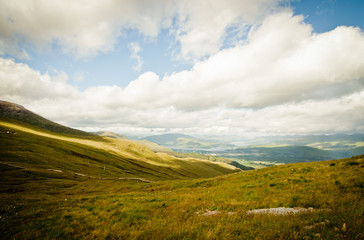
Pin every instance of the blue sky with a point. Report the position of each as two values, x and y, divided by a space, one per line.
116 67
325 15
221 68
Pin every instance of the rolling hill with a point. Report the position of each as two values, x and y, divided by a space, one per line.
151 145
14 111
109 134
170 137
29 145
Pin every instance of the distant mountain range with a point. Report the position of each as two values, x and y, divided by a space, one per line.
289 154
177 141
287 149
324 141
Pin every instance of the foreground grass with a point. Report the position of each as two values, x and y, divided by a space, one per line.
36 203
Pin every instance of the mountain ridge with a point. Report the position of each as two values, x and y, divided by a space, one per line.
20 113
177 141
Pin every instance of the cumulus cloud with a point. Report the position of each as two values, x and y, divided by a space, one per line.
282 61
83 28
202 25
282 79
20 83
89 27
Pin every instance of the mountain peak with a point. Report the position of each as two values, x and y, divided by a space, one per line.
19 113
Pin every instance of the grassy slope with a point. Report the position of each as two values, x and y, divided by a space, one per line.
51 205
211 158
14 111
153 146
109 134
33 147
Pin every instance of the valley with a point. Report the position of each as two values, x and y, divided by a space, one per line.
57 184
181 120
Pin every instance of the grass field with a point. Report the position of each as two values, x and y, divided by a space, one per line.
41 204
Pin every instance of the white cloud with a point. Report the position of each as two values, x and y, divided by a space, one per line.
89 27
282 79
202 26
135 50
20 83
83 28
282 61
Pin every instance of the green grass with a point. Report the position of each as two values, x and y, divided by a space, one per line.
51 205
233 162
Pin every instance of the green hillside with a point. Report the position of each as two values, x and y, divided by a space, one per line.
16 112
32 147
154 147
211 158
40 204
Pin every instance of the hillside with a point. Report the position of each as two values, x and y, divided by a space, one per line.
177 141
36 203
109 134
153 146
211 158
28 146
162 149
14 111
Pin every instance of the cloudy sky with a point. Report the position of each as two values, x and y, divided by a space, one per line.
224 68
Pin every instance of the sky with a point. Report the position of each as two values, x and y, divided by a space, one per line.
206 68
